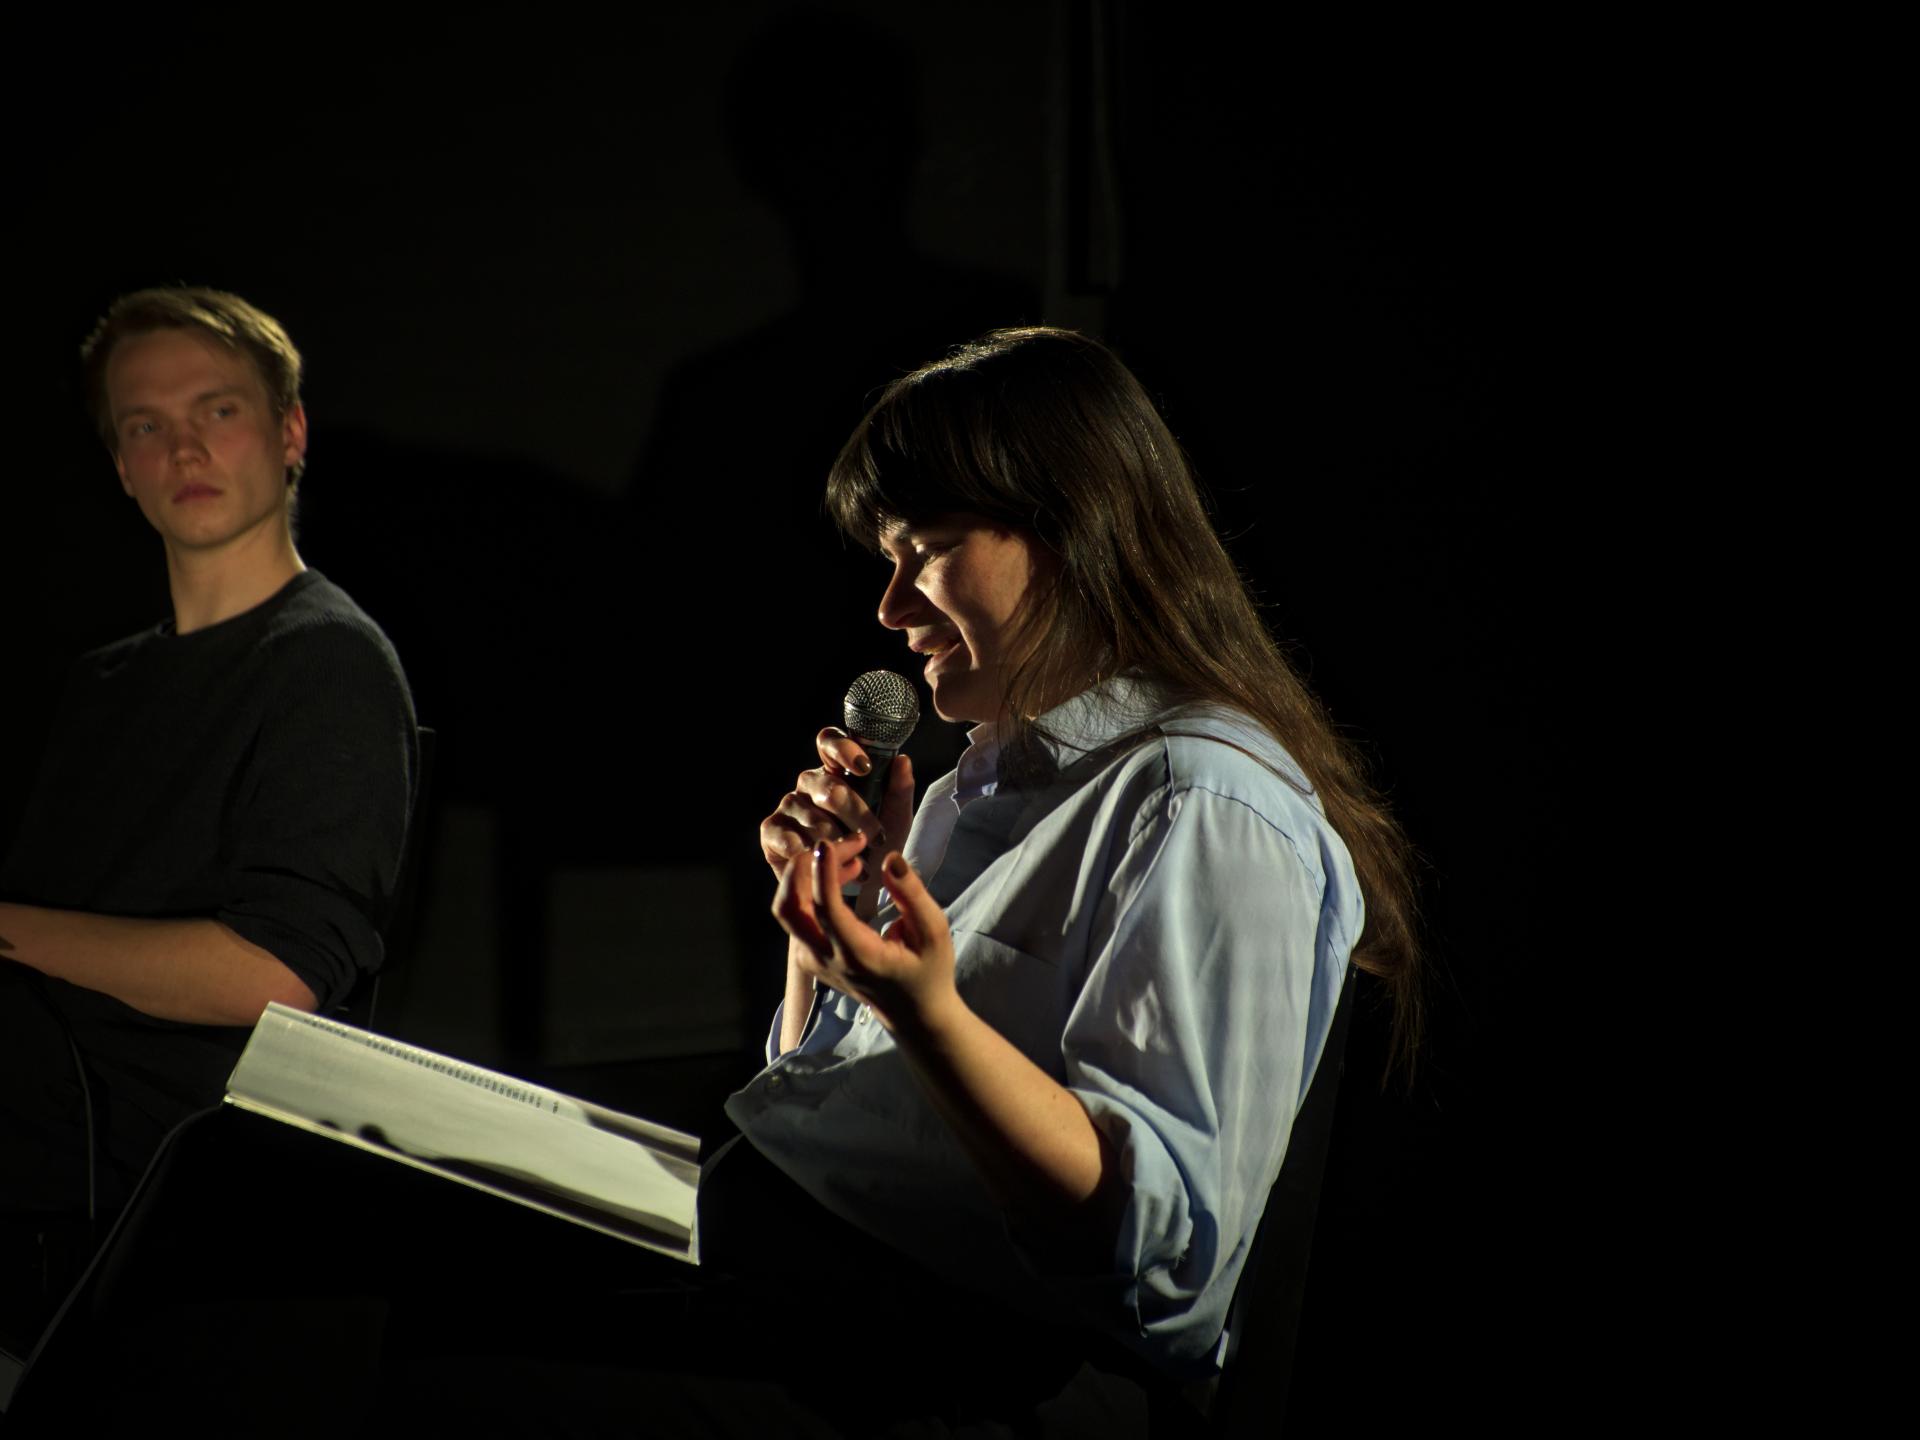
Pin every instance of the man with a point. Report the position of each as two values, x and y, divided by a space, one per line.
219 816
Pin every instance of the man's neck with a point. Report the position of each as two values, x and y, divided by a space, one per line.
213 585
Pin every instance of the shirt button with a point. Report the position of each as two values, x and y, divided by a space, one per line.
861 1018
776 1084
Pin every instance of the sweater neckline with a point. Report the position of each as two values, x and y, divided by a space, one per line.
235 623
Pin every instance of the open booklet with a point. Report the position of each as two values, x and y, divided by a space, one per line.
596 1167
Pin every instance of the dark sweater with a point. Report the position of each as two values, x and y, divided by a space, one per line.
258 772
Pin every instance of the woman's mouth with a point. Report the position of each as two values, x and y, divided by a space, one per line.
939 651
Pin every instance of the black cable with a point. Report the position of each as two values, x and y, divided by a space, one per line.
37 988
86 1101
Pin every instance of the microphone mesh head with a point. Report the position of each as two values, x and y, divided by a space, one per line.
882 707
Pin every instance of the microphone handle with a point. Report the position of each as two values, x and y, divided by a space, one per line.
873 785
870 787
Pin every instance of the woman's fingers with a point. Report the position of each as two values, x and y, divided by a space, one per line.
832 795
793 905
925 921
829 794
896 805
825 804
835 864
841 757
903 975
797 900
782 837
840 752
821 806
795 828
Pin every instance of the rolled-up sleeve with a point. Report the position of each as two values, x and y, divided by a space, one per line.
317 817
1189 1045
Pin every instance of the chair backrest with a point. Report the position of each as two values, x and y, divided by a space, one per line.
1264 1321
1249 1397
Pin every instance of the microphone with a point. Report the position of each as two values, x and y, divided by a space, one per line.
880 712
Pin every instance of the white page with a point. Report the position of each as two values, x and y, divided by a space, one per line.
397 1096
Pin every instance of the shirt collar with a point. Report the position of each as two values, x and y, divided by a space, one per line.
1098 716
1092 719
978 772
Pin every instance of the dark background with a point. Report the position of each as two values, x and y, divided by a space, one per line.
586 317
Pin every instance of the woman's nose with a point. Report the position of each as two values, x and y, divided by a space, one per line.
897 600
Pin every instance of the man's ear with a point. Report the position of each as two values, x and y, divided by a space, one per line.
293 431
120 467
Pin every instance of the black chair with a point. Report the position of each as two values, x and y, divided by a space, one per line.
1263 1324
69 1331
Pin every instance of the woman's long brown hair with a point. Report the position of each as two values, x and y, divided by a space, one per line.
1045 431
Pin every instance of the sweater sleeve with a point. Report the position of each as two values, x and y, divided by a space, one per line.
318 813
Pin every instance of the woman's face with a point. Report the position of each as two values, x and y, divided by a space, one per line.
958 586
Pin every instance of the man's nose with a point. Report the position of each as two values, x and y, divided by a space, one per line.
187 444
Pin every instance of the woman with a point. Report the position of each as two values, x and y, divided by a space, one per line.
1115 935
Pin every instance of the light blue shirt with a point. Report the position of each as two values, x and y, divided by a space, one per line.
1164 930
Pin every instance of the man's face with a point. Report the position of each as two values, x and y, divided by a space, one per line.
199 447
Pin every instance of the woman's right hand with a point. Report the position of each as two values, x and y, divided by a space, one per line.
823 804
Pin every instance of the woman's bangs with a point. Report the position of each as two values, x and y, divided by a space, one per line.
911 460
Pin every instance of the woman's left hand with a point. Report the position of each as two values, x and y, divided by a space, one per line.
905 977
1036 1145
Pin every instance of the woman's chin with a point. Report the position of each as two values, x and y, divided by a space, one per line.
961 703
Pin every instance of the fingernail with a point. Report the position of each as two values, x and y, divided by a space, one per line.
896 866
861 765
